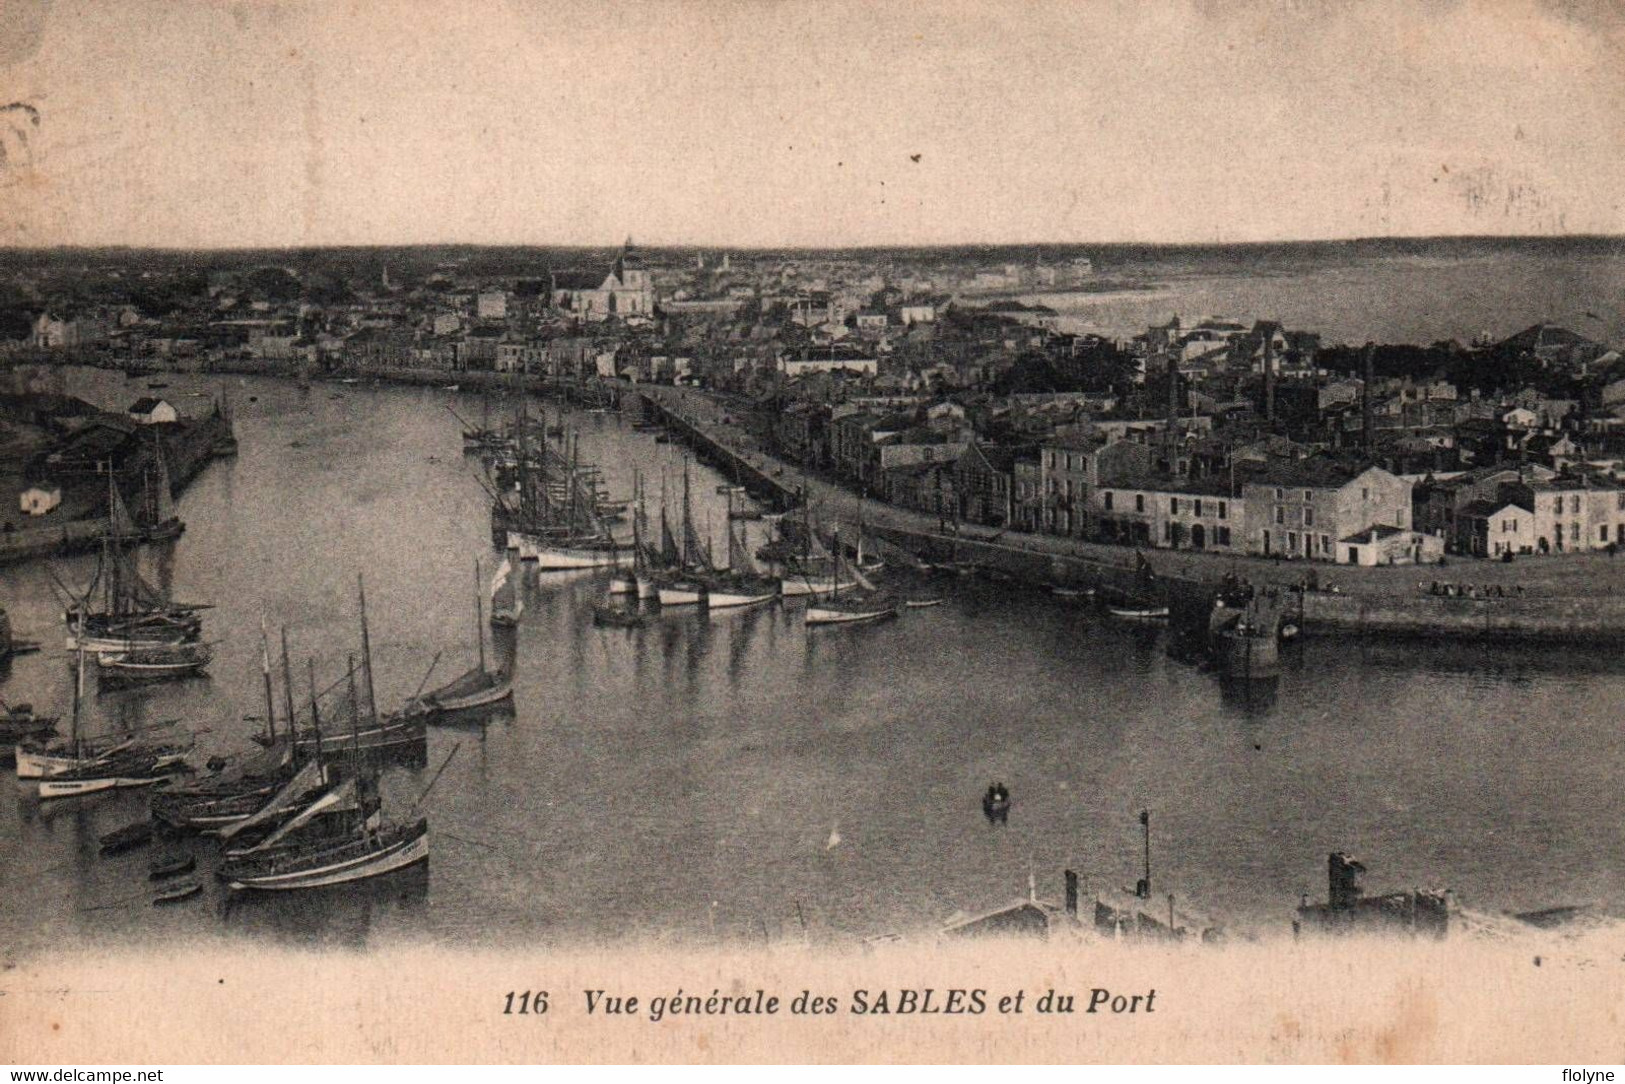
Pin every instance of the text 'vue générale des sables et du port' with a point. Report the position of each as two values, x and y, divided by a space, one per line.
925 1001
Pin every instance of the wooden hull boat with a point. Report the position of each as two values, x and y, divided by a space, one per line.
35 764
802 586
732 599
172 865
98 643
341 863
131 836
681 594
156 663
1151 613
550 556
389 734
728 591
175 893
74 786
475 689
826 614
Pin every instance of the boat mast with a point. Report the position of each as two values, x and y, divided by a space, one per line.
688 523
110 556
366 649
265 670
315 713
665 527
355 717
479 613
287 680
165 510
637 523
835 540
806 519
78 695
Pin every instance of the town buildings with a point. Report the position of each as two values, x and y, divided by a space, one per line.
941 384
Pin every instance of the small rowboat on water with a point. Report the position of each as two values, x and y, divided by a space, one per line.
922 603
158 663
996 804
170 865
1153 613
619 617
127 838
179 890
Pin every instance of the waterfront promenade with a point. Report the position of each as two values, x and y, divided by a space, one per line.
1561 597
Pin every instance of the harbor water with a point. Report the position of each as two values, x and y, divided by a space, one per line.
738 777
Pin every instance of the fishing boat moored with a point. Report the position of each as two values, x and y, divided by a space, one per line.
1143 613
158 663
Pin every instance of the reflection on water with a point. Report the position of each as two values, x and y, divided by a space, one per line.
717 776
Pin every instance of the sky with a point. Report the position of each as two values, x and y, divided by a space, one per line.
202 123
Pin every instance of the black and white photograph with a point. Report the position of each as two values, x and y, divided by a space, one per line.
749 531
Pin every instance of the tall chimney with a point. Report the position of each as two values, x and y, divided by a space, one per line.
1072 893
1269 378
1367 410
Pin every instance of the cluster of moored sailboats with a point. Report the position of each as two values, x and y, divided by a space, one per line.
304 810
550 511
133 631
676 568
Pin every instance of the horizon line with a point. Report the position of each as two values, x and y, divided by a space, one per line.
6 249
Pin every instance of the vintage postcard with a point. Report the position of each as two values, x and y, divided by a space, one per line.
745 531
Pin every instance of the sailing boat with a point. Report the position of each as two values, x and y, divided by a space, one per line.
684 585
740 584
158 662
41 762
507 600
645 558
352 847
162 523
561 523
232 796
663 563
133 612
813 572
401 731
479 686
860 606
625 582
106 771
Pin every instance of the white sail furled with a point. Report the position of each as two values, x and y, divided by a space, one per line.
340 797
304 779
